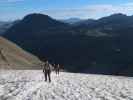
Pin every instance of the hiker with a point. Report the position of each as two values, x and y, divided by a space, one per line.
54 66
47 71
57 69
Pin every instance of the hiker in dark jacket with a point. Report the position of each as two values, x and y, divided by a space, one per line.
47 71
54 66
57 69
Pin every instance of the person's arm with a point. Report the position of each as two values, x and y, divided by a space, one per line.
43 67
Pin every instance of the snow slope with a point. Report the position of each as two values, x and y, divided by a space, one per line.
30 85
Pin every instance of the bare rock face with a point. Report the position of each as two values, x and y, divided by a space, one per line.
12 56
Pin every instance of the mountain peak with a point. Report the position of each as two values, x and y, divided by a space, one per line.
115 16
35 23
36 16
118 15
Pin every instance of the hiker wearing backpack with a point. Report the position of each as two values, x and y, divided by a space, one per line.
47 71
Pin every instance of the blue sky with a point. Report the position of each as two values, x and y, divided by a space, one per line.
63 9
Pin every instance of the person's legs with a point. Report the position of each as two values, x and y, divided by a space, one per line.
49 76
45 75
58 71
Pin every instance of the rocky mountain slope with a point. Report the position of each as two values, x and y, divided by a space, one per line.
13 57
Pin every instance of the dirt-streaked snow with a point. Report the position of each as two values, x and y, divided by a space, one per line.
30 85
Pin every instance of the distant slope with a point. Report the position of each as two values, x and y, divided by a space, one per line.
12 56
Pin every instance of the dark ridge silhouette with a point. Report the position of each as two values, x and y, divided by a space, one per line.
102 46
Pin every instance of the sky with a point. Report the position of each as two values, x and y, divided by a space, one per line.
64 9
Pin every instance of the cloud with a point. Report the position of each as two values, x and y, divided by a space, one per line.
91 11
123 8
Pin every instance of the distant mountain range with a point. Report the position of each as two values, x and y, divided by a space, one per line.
4 26
72 20
94 46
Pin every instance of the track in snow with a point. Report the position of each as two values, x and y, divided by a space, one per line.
30 85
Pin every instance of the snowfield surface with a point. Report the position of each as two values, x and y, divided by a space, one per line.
30 85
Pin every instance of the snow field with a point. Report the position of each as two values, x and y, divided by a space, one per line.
30 85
